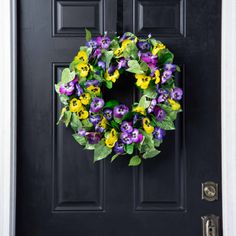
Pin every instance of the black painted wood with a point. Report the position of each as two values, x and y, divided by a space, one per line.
59 189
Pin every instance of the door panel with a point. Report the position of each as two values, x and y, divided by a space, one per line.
60 191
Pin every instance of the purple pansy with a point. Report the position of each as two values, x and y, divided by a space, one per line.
122 63
149 58
176 94
93 137
91 43
119 147
162 91
152 106
158 133
99 128
135 119
166 76
67 89
143 45
93 82
162 98
79 90
102 65
103 42
108 113
136 136
126 127
120 110
170 67
126 138
111 69
97 104
82 131
159 113
97 53
95 119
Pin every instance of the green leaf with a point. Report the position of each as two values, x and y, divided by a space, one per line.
79 139
89 146
165 56
150 92
67 117
178 69
109 84
147 143
157 143
57 87
128 116
101 151
117 120
151 153
166 124
131 51
107 56
64 99
111 104
129 148
88 35
114 44
144 66
115 156
75 122
134 67
135 161
86 123
67 76
63 110
143 102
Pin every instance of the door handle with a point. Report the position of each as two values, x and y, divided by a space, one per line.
210 225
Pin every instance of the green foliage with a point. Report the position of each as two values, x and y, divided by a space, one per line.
165 56
151 153
88 35
135 161
111 104
131 51
63 110
150 92
143 102
109 84
67 117
144 66
101 151
166 124
129 148
67 76
107 56
89 146
147 143
134 67
79 139
115 156
75 122
86 123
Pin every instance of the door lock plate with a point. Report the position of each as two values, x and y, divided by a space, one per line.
210 225
210 191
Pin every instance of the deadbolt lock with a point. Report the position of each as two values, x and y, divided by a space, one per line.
210 225
210 191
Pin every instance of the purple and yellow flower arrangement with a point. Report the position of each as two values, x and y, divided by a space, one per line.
109 127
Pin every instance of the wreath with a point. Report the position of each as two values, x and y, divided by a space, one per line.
111 127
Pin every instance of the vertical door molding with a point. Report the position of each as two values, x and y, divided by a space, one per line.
228 104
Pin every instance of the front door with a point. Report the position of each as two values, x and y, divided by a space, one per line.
60 191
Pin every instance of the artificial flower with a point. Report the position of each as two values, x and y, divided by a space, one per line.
83 69
111 138
93 137
176 94
159 113
147 126
140 110
85 98
118 52
79 89
126 138
152 106
103 42
108 113
126 127
102 65
157 47
91 43
174 105
119 147
136 136
95 119
120 110
95 90
143 45
157 77
101 126
142 80
112 77
82 57
67 89
170 67
166 76
125 43
96 105
82 114
158 133
75 105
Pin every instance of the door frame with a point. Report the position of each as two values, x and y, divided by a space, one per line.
8 104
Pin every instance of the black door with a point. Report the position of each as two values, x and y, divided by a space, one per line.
59 189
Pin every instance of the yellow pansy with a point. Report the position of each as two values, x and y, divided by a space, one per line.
83 69
157 77
85 98
140 110
147 126
111 139
112 77
142 80
75 105
83 114
125 43
118 52
94 90
174 105
157 48
82 56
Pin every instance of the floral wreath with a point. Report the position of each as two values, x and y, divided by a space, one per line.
108 126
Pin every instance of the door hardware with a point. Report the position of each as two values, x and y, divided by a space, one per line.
210 225
210 191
